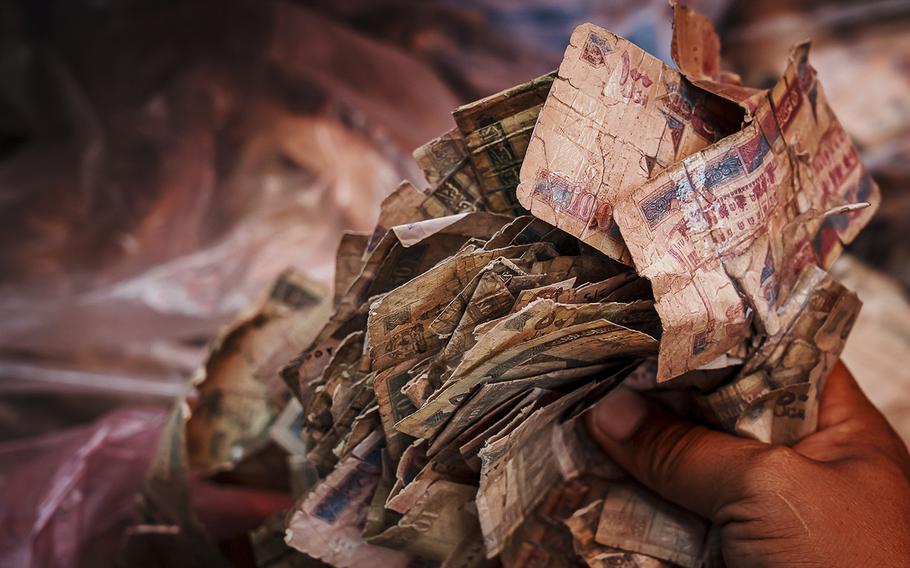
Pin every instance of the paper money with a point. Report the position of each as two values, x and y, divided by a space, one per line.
327 524
287 428
398 326
583 525
517 473
437 523
496 132
542 539
417 472
681 227
490 395
348 262
543 327
337 398
440 157
270 550
738 218
238 394
706 209
388 266
616 115
635 520
453 183
775 397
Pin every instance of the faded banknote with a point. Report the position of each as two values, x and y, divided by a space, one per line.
719 205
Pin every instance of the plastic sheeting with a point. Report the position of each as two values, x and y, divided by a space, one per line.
66 496
186 168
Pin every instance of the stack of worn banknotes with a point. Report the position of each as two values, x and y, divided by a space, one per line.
618 221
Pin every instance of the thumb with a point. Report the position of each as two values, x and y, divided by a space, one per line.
849 425
700 469
843 400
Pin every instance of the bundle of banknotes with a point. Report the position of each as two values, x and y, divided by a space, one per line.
617 221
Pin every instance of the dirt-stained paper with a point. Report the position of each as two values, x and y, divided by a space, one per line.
721 225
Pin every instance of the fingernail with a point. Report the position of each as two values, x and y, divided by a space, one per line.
620 414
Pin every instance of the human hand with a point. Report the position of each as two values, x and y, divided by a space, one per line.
840 497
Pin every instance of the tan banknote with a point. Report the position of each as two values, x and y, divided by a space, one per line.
496 132
583 525
239 392
628 153
327 525
616 116
636 520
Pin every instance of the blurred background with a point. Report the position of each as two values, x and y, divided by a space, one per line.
161 163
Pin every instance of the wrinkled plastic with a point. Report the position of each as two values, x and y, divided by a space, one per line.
160 199
64 497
